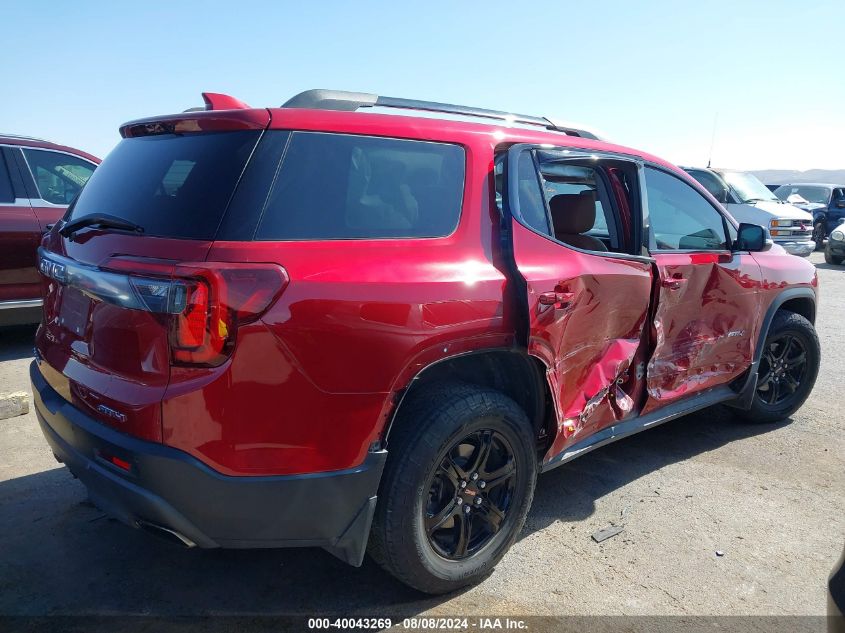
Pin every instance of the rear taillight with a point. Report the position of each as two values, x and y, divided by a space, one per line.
210 301
203 303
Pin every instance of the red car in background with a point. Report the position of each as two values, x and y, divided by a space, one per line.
38 180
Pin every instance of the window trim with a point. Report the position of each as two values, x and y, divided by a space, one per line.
512 177
42 201
465 150
649 233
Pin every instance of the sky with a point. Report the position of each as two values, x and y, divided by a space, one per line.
768 77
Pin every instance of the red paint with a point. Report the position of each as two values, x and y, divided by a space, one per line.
313 383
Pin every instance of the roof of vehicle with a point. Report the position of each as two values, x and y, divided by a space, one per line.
340 112
29 141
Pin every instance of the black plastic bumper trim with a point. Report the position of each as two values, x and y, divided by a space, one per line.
170 488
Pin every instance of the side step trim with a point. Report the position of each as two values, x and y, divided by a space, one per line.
16 305
635 425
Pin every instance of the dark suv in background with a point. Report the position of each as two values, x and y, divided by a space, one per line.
825 201
38 180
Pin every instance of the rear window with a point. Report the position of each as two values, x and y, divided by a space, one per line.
338 186
171 185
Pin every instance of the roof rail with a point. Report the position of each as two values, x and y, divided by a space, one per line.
350 101
21 137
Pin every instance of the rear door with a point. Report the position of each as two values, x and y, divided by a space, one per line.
109 307
707 306
587 286
19 237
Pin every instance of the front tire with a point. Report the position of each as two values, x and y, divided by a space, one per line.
788 368
818 235
457 487
830 258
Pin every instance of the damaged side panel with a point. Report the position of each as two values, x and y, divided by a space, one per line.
587 315
704 323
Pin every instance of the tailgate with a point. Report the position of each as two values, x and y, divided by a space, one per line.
104 342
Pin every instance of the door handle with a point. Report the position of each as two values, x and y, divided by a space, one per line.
559 300
673 283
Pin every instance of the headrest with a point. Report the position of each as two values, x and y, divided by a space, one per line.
573 212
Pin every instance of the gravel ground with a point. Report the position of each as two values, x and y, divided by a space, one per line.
770 498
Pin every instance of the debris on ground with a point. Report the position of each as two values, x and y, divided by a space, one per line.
606 533
719 552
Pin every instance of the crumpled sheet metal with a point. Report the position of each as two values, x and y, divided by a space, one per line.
602 399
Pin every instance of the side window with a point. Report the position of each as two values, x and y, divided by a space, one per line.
531 205
59 177
680 217
7 194
343 186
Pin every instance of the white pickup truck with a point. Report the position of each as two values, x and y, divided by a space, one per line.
748 200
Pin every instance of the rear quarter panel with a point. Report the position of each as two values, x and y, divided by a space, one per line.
310 387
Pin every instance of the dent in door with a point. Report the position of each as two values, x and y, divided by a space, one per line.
702 329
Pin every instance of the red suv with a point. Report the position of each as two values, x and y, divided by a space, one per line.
38 180
318 326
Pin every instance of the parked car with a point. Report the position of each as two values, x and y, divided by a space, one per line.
825 201
834 251
317 325
38 179
748 200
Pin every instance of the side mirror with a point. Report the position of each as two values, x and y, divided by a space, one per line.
840 204
722 196
752 237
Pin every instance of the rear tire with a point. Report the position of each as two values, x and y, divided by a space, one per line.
439 525
788 368
830 258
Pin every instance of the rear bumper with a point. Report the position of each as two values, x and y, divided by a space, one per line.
801 248
170 489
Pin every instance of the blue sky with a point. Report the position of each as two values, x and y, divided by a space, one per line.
648 74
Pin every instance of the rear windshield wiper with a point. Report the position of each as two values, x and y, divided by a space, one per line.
102 220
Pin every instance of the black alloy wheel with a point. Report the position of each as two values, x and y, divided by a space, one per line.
783 366
470 494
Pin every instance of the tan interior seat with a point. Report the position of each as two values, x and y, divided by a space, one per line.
573 214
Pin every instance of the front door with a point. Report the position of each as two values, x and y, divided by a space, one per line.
704 324
587 287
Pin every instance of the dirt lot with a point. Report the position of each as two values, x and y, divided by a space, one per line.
770 498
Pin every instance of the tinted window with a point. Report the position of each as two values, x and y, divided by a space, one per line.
173 186
59 177
531 204
338 186
6 192
680 217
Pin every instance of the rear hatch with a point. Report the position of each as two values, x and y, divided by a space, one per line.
124 304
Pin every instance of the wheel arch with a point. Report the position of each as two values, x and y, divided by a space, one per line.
511 371
798 300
